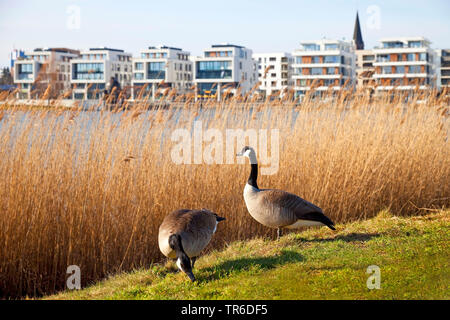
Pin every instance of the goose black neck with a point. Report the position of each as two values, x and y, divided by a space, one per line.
253 176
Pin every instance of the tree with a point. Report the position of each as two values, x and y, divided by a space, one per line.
6 77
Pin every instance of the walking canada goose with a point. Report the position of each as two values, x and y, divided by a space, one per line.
276 208
184 234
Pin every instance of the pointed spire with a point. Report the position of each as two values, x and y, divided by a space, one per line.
357 35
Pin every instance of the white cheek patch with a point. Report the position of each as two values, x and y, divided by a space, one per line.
215 228
179 264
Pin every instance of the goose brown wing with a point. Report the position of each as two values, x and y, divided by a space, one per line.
300 208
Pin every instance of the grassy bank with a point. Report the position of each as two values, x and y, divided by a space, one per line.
91 188
412 253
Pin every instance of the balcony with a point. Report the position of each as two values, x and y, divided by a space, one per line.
152 75
25 76
214 74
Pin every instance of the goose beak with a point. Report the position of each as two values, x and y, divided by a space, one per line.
219 219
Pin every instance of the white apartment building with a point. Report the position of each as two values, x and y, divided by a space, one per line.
161 67
274 73
43 67
92 72
224 68
325 63
444 73
364 67
405 63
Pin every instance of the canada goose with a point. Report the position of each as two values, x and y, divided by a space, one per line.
184 234
276 208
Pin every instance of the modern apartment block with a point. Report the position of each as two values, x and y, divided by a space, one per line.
91 73
445 69
223 69
325 63
364 67
43 70
163 67
404 64
274 73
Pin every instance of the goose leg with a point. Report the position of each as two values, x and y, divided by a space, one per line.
193 261
279 233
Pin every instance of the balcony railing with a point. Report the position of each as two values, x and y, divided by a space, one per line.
25 76
216 74
156 75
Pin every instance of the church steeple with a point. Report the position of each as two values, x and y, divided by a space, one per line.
357 35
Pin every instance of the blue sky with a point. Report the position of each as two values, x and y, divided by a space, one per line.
261 25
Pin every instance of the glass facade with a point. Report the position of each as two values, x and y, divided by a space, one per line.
88 71
311 47
156 70
218 54
415 44
331 59
331 46
394 44
414 69
214 70
316 71
25 71
400 69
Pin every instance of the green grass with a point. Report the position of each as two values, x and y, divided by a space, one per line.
412 253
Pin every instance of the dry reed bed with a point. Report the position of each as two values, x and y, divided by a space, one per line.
91 188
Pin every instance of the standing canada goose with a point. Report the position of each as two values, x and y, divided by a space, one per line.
184 234
276 208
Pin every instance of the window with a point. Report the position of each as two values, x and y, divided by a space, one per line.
311 47
387 70
415 44
423 56
383 58
88 71
214 69
316 71
331 59
394 44
414 69
156 70
400 69
272 59
316 59
411 57
331 46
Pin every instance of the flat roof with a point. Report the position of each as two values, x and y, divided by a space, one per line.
403 39
225 45
60 50
164 47
106 49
